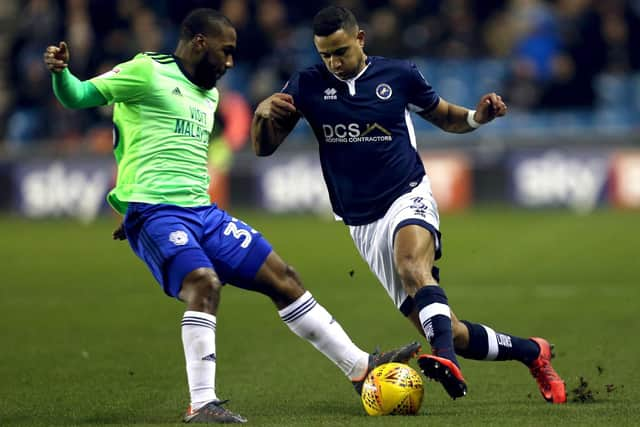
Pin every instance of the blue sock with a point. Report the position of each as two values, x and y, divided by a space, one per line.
435 317
486 344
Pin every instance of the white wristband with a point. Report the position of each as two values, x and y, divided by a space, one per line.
470 120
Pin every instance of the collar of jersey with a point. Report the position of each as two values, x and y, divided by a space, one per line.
184 71
354 78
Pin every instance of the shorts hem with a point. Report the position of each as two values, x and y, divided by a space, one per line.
180 266
424 224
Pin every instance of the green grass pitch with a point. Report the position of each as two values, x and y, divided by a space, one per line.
88 338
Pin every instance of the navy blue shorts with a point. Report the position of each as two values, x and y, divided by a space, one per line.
173 241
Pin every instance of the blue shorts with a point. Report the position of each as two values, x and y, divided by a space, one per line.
173 241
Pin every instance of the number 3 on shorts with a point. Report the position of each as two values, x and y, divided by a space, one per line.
238 233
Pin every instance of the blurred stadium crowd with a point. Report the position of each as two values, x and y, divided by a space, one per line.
577 56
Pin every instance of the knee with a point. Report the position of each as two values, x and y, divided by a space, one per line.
414 272
291 284
279 281
287 287
201 290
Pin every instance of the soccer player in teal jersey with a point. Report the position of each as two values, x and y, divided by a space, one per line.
163 116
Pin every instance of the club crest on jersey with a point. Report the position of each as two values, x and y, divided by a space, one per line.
383 91
330 94
179 238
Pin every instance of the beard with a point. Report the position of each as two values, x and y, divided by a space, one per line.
206 75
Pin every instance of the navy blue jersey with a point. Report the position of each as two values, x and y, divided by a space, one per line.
365 135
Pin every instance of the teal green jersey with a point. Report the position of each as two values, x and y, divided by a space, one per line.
162 122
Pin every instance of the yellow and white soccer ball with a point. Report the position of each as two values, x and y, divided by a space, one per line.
392 389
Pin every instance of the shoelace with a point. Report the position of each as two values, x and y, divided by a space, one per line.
216 407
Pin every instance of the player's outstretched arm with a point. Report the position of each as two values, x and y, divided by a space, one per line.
456 119
70 91
273 120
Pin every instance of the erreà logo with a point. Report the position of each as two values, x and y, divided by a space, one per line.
330 94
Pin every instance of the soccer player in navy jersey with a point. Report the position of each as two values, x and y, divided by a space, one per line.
358 107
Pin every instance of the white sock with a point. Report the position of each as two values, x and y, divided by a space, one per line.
309 320
199 342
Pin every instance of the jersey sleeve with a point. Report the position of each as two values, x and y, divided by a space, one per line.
292 86
422 97
126 82
73 93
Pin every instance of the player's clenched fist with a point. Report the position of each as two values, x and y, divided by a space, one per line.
490 106
56 58
278 106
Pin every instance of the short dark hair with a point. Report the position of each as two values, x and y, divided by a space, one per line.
333 18
203 21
